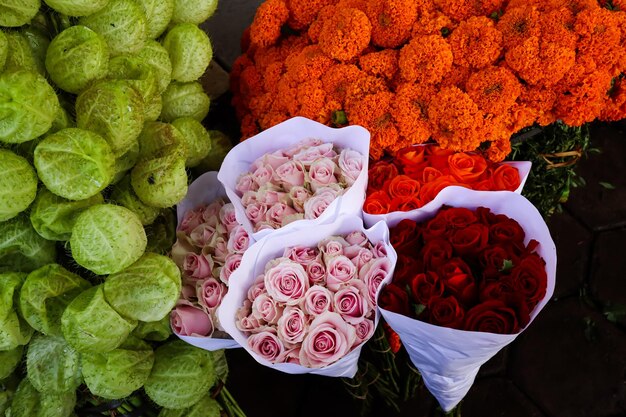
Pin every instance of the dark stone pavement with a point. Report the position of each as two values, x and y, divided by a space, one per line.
571 361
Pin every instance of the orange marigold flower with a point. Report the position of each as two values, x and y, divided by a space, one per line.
345 35
362 87
337 79
476 43
250 82
540 62
241 62
456 120
457 77
619 4
615 104
303 13
310 63
410 112
541 99
248 127
382 64
432 23
458 10
557 26
268 21
260 105
272 118
575 6
311 98
272 75
425 59
519 24
499 149
373 112
494 89
315 28
521 116
599 36
265 56
391 20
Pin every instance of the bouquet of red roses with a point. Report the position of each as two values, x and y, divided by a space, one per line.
472 274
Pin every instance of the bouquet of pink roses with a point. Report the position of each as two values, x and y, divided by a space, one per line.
310 302
209 247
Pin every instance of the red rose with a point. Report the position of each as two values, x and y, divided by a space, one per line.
505 177
530 278
405 237
470 240
406 267
415 171
429 190
411 155
459 217
404 204
430 174
425 286
379 173
492 261
492 316
497 289
377 203
394 298
507 230
483 185
402 186
446 312
435 252
457 277
467 167
485 216
436 227
438 158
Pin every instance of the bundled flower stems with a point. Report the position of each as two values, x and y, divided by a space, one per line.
464 74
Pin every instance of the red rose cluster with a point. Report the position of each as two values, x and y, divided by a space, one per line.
465 269
417 174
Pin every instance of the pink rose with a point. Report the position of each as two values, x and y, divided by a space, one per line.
220 250
339 270
276 214
317 300
287 282
292 326
332 246
191 321
228 217
292 355
322 173
244 320
256 212
263 175
202 235
359 257
308 155
197 266
257 287
372 275
238 241
272 159
357 238
379 250
210 293
317 204
290 174
301 254
299 196
181 248
329 339
191 220
246 183
212 211
268 346
364 331
300 146
270 196
266 309
233 260
188 291
317 271
350 303
351 165
249 197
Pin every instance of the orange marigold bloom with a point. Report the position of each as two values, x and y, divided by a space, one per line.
248 127
541 99
362 87
457 77
345 35
494 89
338 78
311 98
540 62
272 118
456 120
382 64
410 112
499 149
520 116
241 62
615 105
425 59
373 112
268 21
519 24
599 36
303 13
432 23
272 75
391 20
557 26
461 10
575 6
250 82
310 63
476 43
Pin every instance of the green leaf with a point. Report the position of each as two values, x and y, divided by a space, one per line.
507 265
607 185
418 309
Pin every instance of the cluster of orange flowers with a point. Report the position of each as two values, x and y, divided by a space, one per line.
462 73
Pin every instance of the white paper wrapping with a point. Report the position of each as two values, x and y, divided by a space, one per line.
282 136
204 190
523 167
271 247
449 359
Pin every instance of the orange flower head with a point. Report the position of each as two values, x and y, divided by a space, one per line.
268 21
476 43
311 98
432 23
499 150
310 63
461 10
260 105
303 13
353 4
250 82
518 24
391 20
494 89
599 36
362 87
575 6
373 112
410 112
345 35
539 62
425 59
456 120
457 77
241 62
272 75
265 56
272 118
615 105
248 127
557 26
542 100
313 33
337 79
383 64
521 116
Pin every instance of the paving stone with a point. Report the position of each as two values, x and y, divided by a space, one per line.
497 397
595 205
607 281
571 362
572 242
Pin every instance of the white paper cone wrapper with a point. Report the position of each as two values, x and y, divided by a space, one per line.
449 359
523 167
204 190
271 247
282 136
